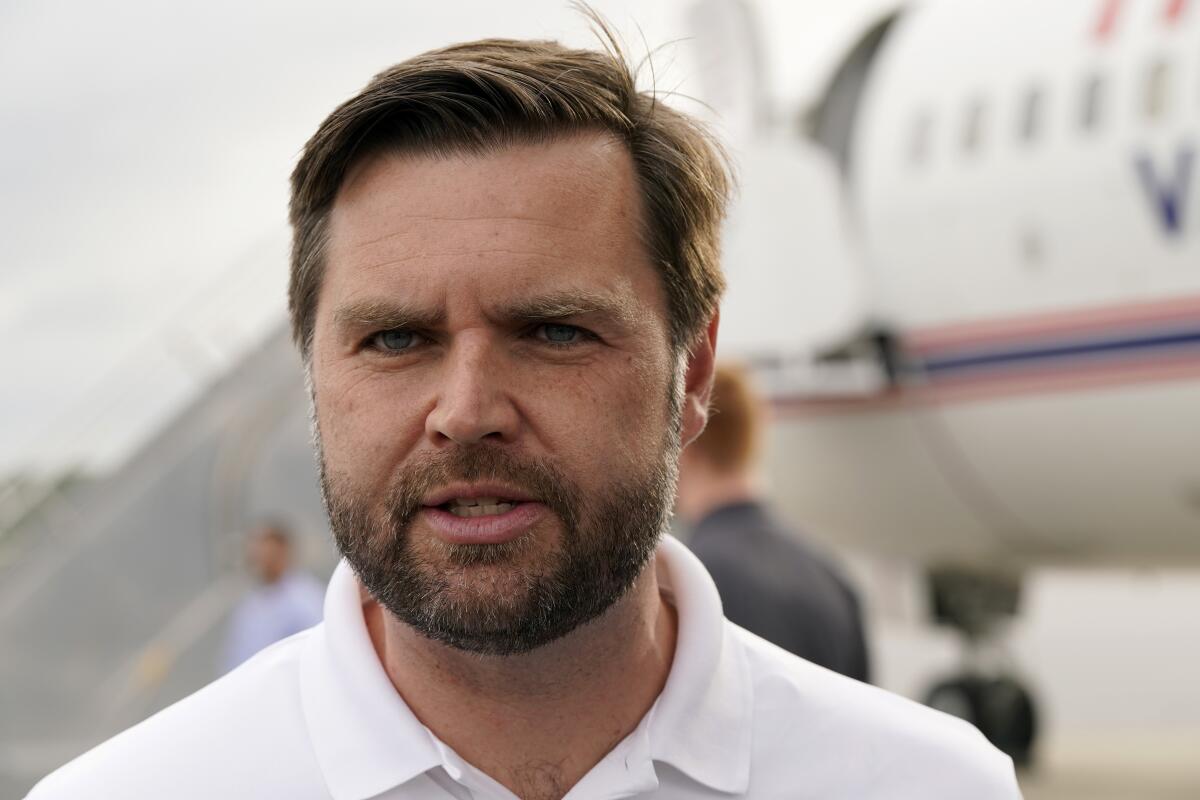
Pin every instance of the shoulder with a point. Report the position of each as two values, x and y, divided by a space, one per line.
226 740
848 739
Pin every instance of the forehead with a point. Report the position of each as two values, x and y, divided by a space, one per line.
524 216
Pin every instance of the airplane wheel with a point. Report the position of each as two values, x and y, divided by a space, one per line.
1001 708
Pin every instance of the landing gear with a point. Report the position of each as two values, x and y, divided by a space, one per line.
1000 707
985 693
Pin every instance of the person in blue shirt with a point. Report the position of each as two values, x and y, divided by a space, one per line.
285 600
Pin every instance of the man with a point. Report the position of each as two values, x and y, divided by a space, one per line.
770 583
504 287
285 601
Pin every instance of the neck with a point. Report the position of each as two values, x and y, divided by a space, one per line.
704 491
537 722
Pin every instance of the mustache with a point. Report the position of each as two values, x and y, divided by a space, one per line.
537 477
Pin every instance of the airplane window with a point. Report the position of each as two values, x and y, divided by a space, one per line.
918 147
1092 110
1031 114
1156 98
973 126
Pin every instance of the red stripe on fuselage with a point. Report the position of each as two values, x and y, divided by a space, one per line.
1064 323
1083 372
1092 377
1107 21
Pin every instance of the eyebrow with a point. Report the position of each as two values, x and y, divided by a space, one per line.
391 315
571 303
385 315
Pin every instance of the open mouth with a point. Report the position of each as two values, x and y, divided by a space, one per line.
479 506
489 513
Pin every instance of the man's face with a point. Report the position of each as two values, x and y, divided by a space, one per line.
269 556
498 405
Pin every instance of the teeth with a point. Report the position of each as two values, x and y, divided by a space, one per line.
474 501
481 509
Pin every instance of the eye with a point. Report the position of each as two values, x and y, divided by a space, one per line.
557 333
394 341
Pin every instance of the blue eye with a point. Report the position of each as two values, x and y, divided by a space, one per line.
561 334
395 341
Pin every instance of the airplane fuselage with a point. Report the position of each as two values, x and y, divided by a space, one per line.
1026 197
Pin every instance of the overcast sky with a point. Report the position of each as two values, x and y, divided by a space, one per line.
143 175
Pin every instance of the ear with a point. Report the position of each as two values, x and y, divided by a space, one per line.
697 382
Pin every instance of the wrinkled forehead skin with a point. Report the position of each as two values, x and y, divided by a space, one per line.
527 220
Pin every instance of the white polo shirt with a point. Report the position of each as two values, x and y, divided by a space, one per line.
315 717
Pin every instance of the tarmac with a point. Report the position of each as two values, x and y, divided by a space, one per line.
1126 765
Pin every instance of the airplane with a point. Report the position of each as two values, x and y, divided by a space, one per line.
1011 377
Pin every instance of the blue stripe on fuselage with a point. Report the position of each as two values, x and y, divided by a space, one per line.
997 358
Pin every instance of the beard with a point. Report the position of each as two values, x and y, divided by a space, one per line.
516 596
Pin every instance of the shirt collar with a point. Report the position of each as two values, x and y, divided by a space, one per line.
367 740
701 723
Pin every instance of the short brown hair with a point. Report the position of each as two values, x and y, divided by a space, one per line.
479 96
731 438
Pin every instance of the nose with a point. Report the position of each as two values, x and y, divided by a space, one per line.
474 403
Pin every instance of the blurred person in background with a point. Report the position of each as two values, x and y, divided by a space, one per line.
771 582
286 600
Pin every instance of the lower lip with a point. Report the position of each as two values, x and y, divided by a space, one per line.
488 529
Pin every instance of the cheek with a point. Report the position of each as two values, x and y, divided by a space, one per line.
366 423
609 420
